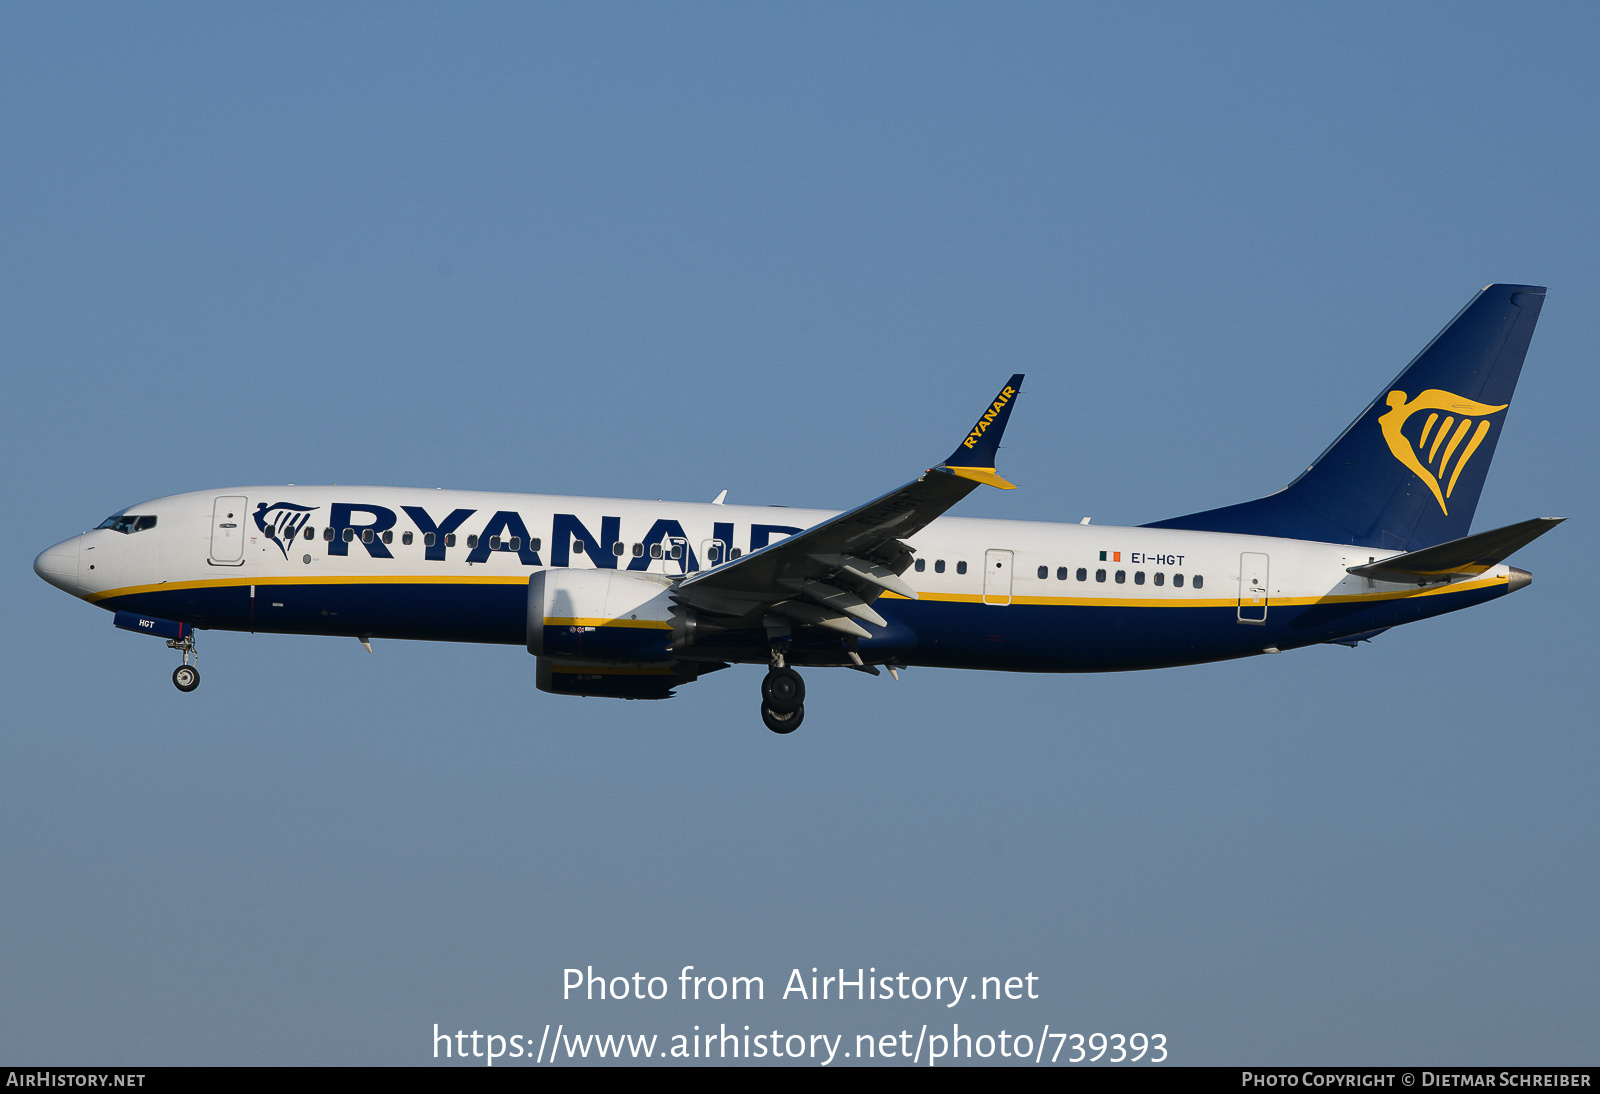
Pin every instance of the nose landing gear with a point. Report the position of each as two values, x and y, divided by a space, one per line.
783 695
186 677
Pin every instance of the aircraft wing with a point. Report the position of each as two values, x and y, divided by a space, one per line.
828 575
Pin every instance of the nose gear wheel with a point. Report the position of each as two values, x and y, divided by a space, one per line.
186 677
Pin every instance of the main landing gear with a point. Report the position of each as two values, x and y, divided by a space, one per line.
186 677
783 695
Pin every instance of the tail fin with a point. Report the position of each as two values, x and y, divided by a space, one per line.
1407 473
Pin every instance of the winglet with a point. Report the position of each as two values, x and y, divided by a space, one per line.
974 458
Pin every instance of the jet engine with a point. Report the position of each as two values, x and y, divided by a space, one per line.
599 616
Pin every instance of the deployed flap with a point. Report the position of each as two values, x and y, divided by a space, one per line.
860 551
1470 555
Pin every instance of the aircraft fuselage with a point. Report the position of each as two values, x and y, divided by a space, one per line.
378 562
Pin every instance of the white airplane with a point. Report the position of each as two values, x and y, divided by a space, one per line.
629 599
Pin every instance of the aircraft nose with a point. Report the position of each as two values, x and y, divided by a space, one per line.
59 565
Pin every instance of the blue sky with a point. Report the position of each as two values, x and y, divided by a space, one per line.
787 250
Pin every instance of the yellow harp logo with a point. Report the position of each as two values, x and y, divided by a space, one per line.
1430 455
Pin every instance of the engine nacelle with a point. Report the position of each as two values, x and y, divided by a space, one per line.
599 617
612 681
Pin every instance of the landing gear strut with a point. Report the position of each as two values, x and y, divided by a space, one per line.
186 677
783 695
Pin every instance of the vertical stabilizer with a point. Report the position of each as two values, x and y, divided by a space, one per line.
1407 473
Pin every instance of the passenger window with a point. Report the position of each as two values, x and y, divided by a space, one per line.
1061 573
714 553
655 550
1199 582
1177 581
737 552
494 543
922 564
311 533
1099 575
349 535
449 539
938 566
1160 578
1138 577
638 550
533 544
327 535
388 537
616 548
472 541
677 550
961 567
366 535
428 539
577 546
1122 577
1044 572
1083 575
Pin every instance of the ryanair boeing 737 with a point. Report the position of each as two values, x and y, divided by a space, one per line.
630 599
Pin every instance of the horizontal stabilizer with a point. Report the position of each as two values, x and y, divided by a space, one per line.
1469 555
1354 640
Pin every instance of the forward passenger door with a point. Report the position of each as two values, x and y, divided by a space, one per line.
227 531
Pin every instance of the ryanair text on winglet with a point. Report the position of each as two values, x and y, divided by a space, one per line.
983 422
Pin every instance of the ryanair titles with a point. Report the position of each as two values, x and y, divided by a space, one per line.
988 416
373 529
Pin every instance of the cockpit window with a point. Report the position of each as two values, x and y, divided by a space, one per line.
127 523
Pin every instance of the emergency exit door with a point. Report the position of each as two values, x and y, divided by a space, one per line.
997 577
1252 587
